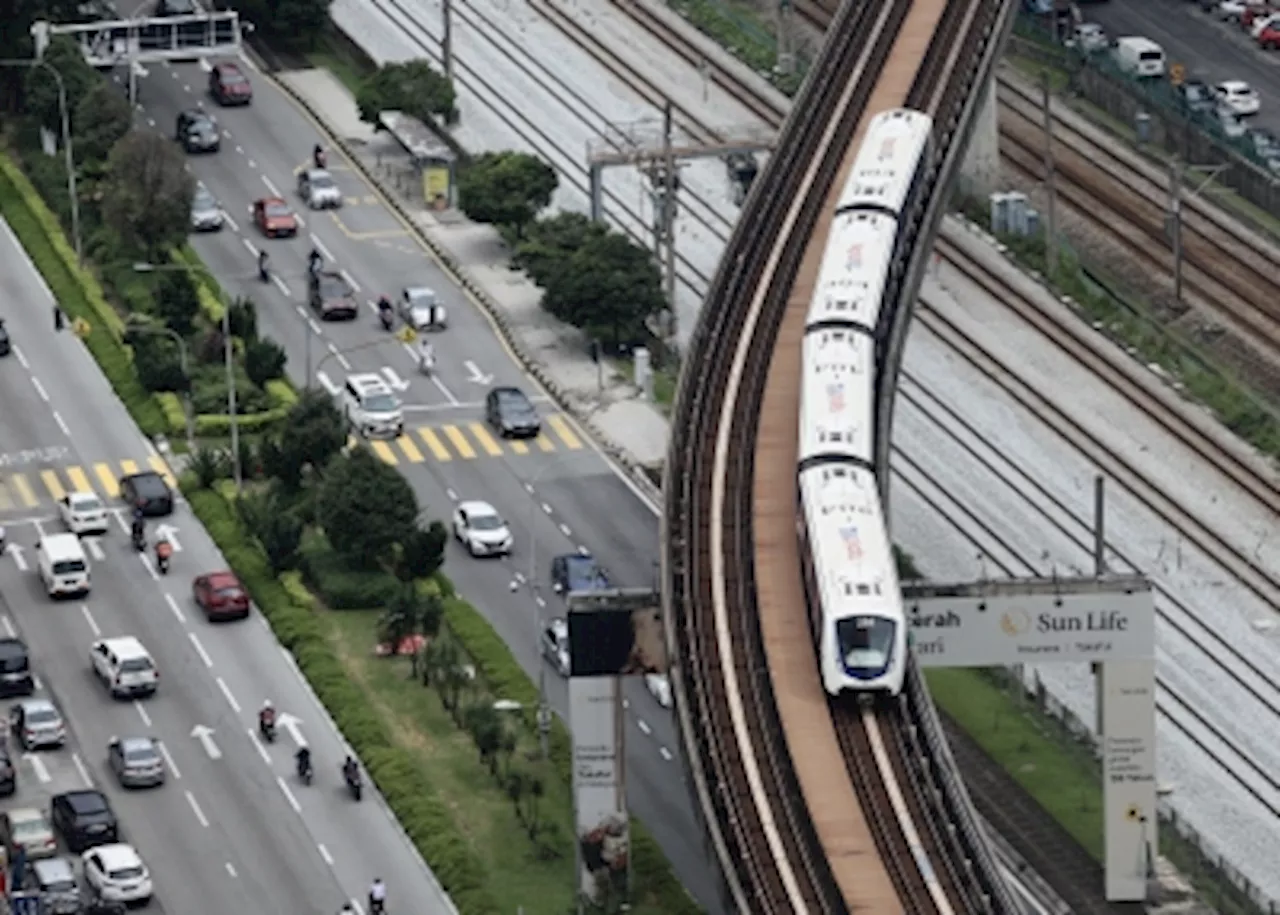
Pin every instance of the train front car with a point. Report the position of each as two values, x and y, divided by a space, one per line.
850 580
887 170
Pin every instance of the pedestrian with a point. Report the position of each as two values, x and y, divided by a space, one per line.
59 319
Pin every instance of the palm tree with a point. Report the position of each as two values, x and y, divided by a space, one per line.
401 619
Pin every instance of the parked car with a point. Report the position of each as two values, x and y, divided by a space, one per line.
28 829
8 774
37 723
1269 35
1230 123
1089 38
1239 96
84 819
15 668
1197 97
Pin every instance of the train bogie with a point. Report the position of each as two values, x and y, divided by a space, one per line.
855 269
838 395
887 166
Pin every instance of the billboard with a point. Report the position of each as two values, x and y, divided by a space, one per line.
600 803
616 633
1129 776
971 625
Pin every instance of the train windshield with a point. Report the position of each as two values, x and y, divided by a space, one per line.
866 645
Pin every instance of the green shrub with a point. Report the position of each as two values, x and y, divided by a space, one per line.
281 393
207 290
175 417
340 586
218 425
264 361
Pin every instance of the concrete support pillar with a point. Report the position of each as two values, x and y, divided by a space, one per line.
980 172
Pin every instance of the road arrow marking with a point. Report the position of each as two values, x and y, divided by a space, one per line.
327 384
477 376
170 533
293 725
204 734
16 552
395 380
38 767
95 549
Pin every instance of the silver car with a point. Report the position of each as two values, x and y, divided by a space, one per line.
317 187
206 214
55 878
420 309
37 723
136 761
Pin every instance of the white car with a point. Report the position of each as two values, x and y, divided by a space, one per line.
117 874
83 513
420 309
1239 96
660 688
1261 22
1233 10
480 528
1090 38
318 189
1230 123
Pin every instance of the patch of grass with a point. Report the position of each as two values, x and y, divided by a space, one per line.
337 55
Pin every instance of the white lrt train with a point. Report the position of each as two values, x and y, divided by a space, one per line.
850 578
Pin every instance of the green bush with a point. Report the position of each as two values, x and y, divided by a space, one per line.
281 393
175 418
206 289
340 586
218 425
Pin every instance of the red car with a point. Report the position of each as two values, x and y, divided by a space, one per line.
229 86
274 218
220 596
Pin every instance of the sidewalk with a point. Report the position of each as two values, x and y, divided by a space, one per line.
634 431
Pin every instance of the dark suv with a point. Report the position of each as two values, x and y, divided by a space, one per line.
577 572
196 132
332 297
511 412
149 490
15 669
84 818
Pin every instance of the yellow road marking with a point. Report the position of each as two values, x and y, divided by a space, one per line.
130 467
410 449
437 447
571 441
545 443
53 484
460 442
485 439
19 483
160 466
6 501
108 480
79 480
519 447
383 450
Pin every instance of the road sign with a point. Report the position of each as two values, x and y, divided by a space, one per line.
407 335
1177 73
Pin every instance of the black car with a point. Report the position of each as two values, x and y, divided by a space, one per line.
84 818
511 412
5 344
148 490
15 669
577 572
8 775
1197 97
196 132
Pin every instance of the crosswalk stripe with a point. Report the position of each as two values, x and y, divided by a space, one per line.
383 450
129 467
460 442
410 449
53 484
571 441
519 447
79 480
485 439
24 491
160 466
6 500
437 447
545 443
107 479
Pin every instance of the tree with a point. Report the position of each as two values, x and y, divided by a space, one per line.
158 362
147 192
177 301
412 87
606 289
264 361
316 432
365 507
402 618
244 320
102 118
296 24
422 552
41 86
276 528
549 243
506 189
485 724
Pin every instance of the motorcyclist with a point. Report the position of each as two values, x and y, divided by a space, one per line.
164 551
384 311
377 896
350 770
263 263
139 528
315 260
318 155
266 716
303 759
426 354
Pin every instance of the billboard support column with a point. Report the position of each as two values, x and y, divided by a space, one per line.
1129 778
1099 526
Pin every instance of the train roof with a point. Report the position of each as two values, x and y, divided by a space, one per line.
888 159
854 269
837 401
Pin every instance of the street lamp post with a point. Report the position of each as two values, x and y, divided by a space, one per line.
186 374
66 143
228 349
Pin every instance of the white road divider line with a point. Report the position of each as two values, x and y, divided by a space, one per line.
173 605
393 378
564 529
350 279
22 359
231 222
540 601
252 164
44 395
324 853
546 508
88 618
95 549
666 754
195 808
253 249
226 692
355 904
231 870
328 385
280 284
257 745
146 564
38 767
271 187
644 727
311 322
80 767
205 65
315 240
8 627
293 801
204 655
142 713
168 760
61 424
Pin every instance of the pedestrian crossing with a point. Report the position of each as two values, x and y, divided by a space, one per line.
469 441
24 489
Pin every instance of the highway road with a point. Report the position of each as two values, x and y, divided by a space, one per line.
558 492
1210 50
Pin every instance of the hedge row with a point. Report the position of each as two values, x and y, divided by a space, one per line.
280 391
289 610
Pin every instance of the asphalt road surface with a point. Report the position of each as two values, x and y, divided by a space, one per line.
557 492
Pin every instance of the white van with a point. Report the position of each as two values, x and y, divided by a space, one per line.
64 568
1139 56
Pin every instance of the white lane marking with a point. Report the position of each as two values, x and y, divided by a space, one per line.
453 496
44 395
22 359
80 767
61 425
253 164
142 713
445 391
293 801
88 618
251 246
173 605
539 600
355 904
204 655
195 808
257 745
38 767
644 727
337 354
205 65
292 662
168 760
280 284
564 529
231 871
151 122
119 516
311 322
95 549
226 691
546 508
350 279
8 627
302 312
328 385
666 754
173 73
186 88
231 222
324 853
315 240
146 564
271 187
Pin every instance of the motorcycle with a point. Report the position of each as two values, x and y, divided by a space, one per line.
354 784
267 728
426 363
304 771
376 906
139 540
162 563
384 315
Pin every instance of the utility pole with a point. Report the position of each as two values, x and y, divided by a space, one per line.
786 38
1175 224
446 41
1051 207
1099 526
670 207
